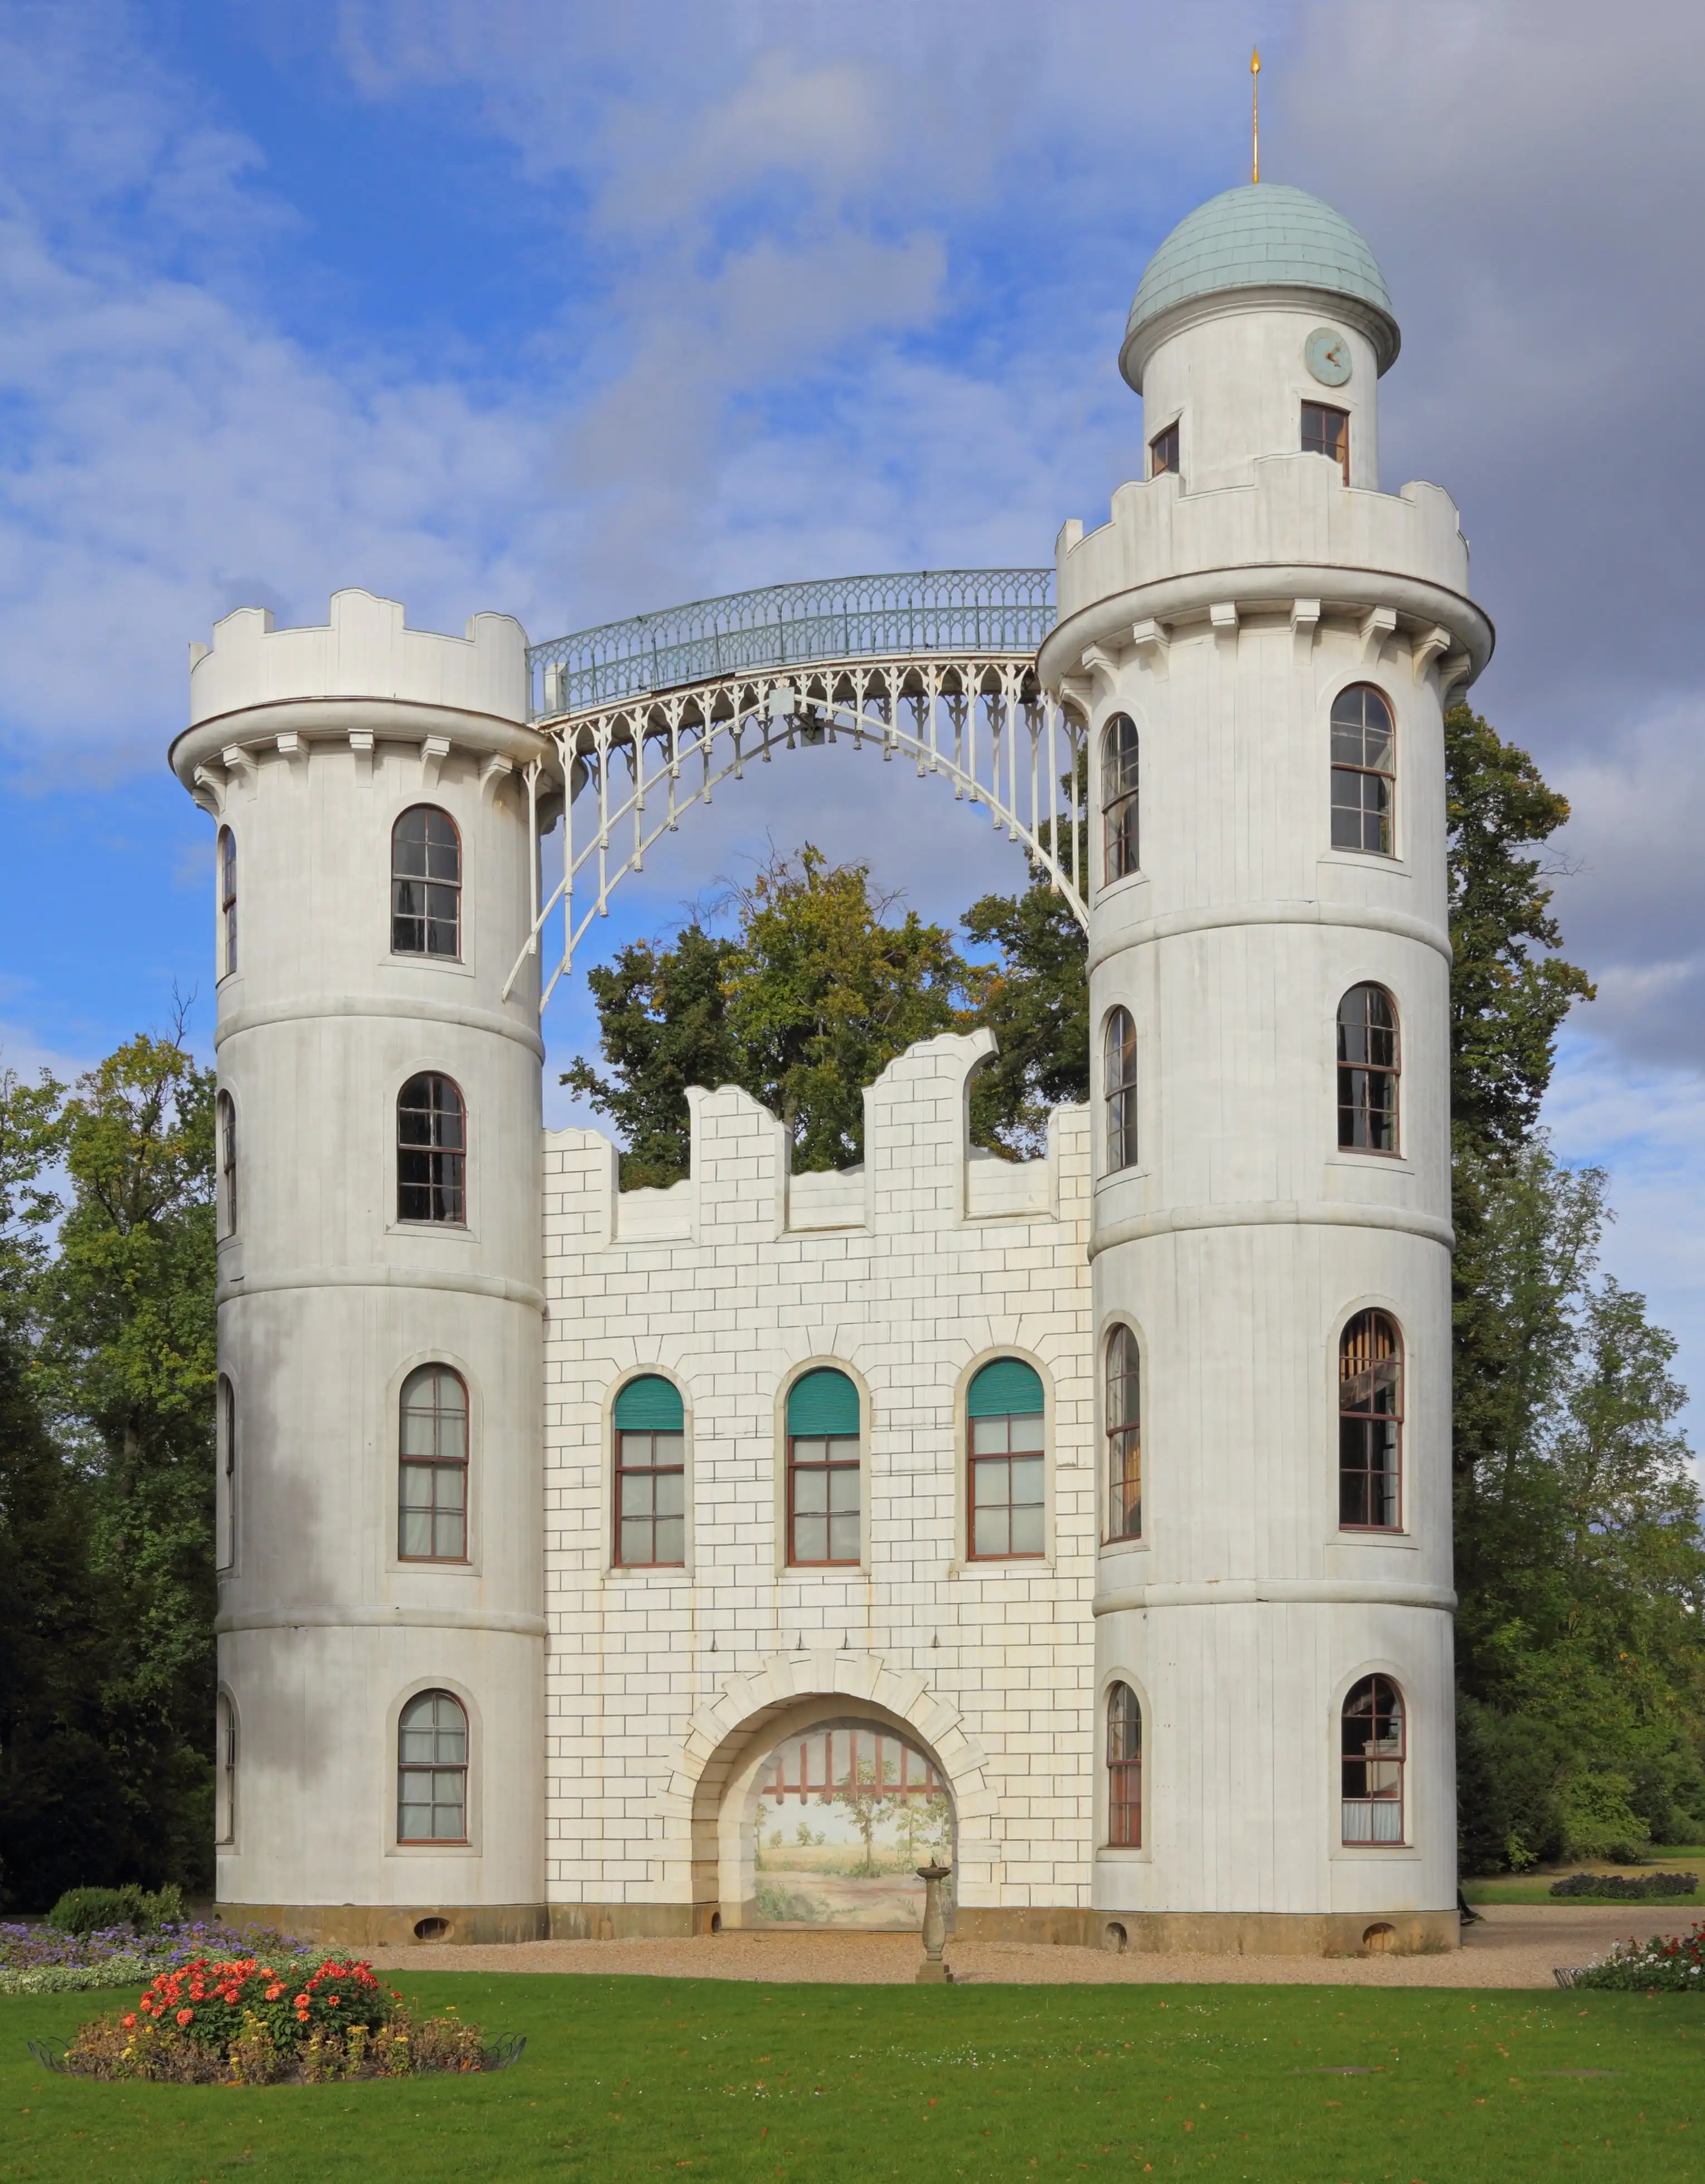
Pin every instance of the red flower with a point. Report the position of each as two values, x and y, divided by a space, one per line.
131 2022
185 2015
274 1991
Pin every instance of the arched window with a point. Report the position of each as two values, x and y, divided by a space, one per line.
224 1831
1363 770
425 884
1124 1436
1370 1423
1118 804
1367 1071
227 898
1124 1768
432 1770
1005 1502
431 1149
224 1478
432 1469
823 1469
1119 1089
650 1426
227 1161
1372 1762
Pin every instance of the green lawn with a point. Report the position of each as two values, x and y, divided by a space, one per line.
629 2078
1524 1889
1535 1887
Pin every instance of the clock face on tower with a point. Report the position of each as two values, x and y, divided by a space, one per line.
1327 354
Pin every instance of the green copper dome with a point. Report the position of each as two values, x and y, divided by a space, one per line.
1265 234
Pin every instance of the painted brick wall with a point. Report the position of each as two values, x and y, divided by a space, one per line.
713 1285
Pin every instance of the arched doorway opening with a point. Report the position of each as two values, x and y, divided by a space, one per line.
843 1816
842 1813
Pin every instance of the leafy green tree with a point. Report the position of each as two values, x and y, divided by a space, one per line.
1510 993
1035 996
663 1023
804 1008
124 1368
1580 1558
1036 1001
823 994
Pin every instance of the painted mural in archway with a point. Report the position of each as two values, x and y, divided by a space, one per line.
844 1812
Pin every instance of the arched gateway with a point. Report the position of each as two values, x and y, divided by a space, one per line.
1154 1643
868 1763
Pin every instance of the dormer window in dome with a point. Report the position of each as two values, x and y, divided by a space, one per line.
1163 452
1326 431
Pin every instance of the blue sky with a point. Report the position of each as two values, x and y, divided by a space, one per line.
572 311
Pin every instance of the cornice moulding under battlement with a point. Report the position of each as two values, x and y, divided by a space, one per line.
1419 606
331 721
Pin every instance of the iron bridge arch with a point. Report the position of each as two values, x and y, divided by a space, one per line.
650 715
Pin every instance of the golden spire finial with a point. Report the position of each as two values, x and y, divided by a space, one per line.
1254 113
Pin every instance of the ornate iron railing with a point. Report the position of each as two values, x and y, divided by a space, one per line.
930 611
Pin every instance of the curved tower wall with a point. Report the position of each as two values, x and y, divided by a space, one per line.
307 744
1223 621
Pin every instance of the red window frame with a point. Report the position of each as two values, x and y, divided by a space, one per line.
1374 1745
1124 1425
1120 751
432 1152
227 897
428 898
833 1469
627 1440
431 1770
1326 431
1371 1425
1370 1067
1124 1768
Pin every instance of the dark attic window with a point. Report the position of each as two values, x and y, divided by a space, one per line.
1327 432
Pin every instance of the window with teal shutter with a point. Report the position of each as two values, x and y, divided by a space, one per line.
1004 1408
650 1404
822 1469
651 1475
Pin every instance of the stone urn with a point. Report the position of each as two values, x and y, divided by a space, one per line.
932 1972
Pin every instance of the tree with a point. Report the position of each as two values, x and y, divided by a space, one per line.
124 1368
823 994
663 1022
804 1008
1508 994
1036 1001
1580 1565
1034 998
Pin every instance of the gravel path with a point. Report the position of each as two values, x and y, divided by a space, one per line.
1517 1944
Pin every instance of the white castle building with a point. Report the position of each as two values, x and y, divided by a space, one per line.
585 1554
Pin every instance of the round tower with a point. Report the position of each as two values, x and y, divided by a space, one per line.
382 1613
1265 645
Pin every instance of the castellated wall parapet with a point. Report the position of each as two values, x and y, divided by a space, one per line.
1296 533
363 650
361 677
907 1274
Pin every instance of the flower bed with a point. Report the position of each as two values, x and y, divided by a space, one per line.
1624 1888
247 2020
45 1960
1667 1964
